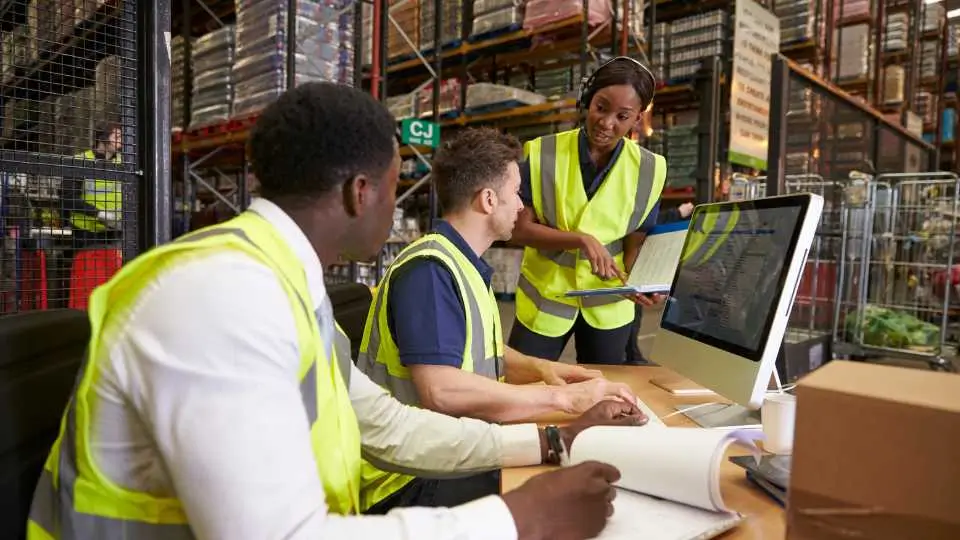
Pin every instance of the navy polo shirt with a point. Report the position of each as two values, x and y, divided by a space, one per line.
592 178
425 313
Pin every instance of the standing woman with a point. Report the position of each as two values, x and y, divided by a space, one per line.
589 194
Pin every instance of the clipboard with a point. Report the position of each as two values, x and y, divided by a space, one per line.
655 267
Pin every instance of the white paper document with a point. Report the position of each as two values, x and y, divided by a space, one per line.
669 486
656 263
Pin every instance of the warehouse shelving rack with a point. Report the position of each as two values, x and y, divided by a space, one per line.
61 58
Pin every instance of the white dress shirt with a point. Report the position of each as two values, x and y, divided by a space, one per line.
199 400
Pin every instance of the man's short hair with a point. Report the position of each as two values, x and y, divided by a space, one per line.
474 159
317 136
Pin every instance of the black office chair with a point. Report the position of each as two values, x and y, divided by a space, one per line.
351 301
41 355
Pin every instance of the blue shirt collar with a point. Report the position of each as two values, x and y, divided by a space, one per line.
446 230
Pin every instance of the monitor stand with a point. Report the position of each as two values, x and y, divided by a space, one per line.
721 415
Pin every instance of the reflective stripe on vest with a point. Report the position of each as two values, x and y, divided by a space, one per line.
370 361
618 208
53 514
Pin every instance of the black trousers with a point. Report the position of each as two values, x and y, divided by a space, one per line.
634 356
440 493
593 346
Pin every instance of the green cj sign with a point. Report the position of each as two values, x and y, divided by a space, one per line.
413 131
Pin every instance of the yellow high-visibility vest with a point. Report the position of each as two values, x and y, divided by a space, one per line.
629 192
380 358
74 499
106 195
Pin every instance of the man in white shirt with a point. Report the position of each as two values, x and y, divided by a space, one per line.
208 407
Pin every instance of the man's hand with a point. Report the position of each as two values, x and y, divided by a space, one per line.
601 261
610 412
685 209
573 503
559 374
579 397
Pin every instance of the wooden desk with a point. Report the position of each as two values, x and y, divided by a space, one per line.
765 518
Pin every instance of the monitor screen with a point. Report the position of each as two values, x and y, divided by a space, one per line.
734 263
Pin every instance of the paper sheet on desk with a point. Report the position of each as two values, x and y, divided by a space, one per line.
637 517
678 464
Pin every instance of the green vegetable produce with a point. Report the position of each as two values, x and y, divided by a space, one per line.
883 327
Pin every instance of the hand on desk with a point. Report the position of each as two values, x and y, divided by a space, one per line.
572 503
559 374
579 397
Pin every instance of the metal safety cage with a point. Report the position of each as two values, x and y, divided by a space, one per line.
74 143
878 278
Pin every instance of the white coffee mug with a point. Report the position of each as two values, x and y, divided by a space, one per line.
777 416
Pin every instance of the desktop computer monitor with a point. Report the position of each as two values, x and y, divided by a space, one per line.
731 296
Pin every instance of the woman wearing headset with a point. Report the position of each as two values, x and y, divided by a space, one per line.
589 194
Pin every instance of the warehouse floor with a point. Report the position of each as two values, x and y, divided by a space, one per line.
648 329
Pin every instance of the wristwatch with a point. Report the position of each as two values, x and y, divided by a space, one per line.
556 449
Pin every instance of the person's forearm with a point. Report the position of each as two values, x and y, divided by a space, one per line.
458 393
535 235
408 439
521 368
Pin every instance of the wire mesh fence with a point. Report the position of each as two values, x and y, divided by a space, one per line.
68 149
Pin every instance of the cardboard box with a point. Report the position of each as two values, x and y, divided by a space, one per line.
875 454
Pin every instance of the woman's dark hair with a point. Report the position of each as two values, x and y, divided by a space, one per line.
618 72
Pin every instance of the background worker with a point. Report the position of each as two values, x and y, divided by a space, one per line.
95 207
589 193
213 403
433 336
634 356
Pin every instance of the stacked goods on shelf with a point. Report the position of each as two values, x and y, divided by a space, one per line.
485 96
933 17
213 81
492 15
895 32
324 48
449 98
407 17
927 106
74 120
18 50
521 79
953 38
556 83
681 154
506 269
892 86
106 91
798 21
851 52
929 59
544 12
658 57
451 26
178 71
402 106
694 38
634 18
